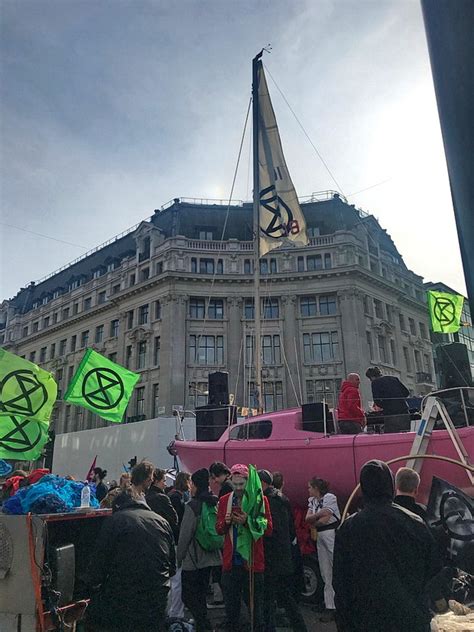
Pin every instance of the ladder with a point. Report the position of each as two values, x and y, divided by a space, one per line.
432 408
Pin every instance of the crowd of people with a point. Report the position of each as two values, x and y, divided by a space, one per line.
170 552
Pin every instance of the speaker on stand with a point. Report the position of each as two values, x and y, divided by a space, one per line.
218 387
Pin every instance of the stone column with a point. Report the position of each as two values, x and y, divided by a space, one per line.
173 358
235 353
289 337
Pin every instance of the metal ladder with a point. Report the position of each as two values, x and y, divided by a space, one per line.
433 407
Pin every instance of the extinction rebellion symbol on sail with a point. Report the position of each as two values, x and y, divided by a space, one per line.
281 223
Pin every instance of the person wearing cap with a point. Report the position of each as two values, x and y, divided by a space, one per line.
384 557
235 570
196 562
279 568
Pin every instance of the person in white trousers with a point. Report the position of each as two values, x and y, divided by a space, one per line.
323 515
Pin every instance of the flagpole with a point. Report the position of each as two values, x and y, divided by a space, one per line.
256 229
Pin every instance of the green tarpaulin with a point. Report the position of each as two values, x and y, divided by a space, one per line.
102 386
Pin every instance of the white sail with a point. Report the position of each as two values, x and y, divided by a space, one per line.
280 216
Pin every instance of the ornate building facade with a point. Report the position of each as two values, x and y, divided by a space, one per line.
173 300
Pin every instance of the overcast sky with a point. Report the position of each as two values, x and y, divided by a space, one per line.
111 108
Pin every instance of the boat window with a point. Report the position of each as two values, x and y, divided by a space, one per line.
254 430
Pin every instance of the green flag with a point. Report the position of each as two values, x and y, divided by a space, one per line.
25 389
445 311
253 505
102 386
22 438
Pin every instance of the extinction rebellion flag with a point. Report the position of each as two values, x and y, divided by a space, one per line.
280 215
253 505
27 396
102 386
445 311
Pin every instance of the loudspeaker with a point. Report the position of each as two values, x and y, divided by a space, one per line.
211 421
313 417
63 567
218 388
453 364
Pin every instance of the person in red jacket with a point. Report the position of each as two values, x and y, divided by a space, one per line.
235 569
351 417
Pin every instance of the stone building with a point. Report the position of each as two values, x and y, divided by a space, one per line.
173 300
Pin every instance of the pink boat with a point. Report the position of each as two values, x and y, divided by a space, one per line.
277 441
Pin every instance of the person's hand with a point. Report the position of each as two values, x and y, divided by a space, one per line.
228 518
239 518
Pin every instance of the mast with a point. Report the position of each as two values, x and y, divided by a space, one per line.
256 230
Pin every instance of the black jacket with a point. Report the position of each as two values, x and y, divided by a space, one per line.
390 395
277 546
131 567
383 561
159 502
178 502
409 503
226 488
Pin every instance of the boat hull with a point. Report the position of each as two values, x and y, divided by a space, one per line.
336 458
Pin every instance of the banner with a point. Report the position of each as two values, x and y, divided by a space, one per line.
22 438
101 386
25 389
445 311
280 215
254 506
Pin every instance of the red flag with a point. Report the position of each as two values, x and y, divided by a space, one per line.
90 473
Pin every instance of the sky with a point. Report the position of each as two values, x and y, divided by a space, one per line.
109 109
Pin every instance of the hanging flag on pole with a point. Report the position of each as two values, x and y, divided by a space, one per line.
90 473
445 311
280 215
253 505
25 389
22 438
101 386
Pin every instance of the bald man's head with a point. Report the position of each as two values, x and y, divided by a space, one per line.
354 378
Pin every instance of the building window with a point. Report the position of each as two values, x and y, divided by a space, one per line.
268 266
79 417
143 314
25 332
206 266
248 266
403 325
194 267
378 308
65 315
308 306
313 231
111 266
87 303
367 305
271 352
427 363
216 309
84 339
141 354
320 347
423 331
59 375
249 312
32 356
144 274
128 356
300 264
70 373
323 390
327 260
271 308
411 322
220 267
206 350
406 355
393 351
55 318
101 298
67 418
43 354
116 288
140 402
390 316
157 310
97 273
130 319
73 342
75 308
272 396
314 262
62 347
418 365
156 400
327 305
369 344
45 300
132 280
52 351
197 307
99 333
382 342
206 234
113 356
197 394
114 328
35 327
156 351
46 321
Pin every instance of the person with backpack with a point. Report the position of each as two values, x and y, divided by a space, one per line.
199 548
